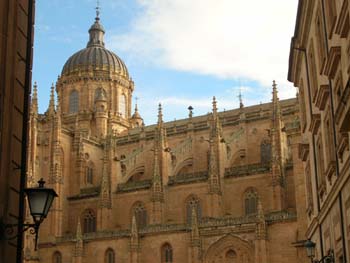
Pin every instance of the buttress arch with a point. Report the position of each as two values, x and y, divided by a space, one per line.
217 251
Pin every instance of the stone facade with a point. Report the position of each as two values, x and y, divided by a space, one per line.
319 66
222 187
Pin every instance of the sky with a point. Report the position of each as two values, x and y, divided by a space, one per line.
178 52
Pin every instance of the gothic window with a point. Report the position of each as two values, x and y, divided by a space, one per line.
109 256
230 256
74 102
167 253
140 213
250 201
122 105
57 257
265 152
89 221
89 176
192 202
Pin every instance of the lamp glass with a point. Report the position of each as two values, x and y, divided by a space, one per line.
37 203
51 196
310 248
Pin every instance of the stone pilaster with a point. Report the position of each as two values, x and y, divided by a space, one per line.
78 252
260 236
134 246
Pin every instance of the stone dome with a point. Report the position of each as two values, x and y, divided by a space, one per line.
95 56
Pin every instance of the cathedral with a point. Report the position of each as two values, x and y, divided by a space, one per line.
221 187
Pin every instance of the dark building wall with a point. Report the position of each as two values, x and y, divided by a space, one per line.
16 42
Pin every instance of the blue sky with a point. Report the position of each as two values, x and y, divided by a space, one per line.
178 52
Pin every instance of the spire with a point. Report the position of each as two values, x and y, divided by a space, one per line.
96 31
51 108
35 99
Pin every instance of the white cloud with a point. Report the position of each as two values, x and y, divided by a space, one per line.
225 38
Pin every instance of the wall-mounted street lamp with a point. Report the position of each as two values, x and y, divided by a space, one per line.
310 252
40 200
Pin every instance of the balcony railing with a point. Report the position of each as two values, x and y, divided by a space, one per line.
134 186
188 178
249 169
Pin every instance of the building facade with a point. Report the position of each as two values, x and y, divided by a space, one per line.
319 67
222 187
16 34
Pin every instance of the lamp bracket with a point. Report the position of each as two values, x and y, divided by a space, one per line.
10 231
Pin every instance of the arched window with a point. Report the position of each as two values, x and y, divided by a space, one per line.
265 152
193 202
230 256
74 102
89 221
140 213
122 105
250 201
167 253
89 174
109 256
57 257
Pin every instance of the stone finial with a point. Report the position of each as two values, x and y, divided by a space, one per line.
274 92
190 111
160 114
195 238
134 235
34 106
78 249
240 97
260 229
51 108
215 109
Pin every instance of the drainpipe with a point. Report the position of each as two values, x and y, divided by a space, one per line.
313 143
334 136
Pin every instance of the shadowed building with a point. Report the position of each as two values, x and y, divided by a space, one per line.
319 67
16 42
222 187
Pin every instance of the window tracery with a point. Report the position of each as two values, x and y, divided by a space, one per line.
122 105
140 213
57 257
89 221
193 202
110 256
250 201
167 253
265 152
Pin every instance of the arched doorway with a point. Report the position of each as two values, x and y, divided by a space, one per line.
229 249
